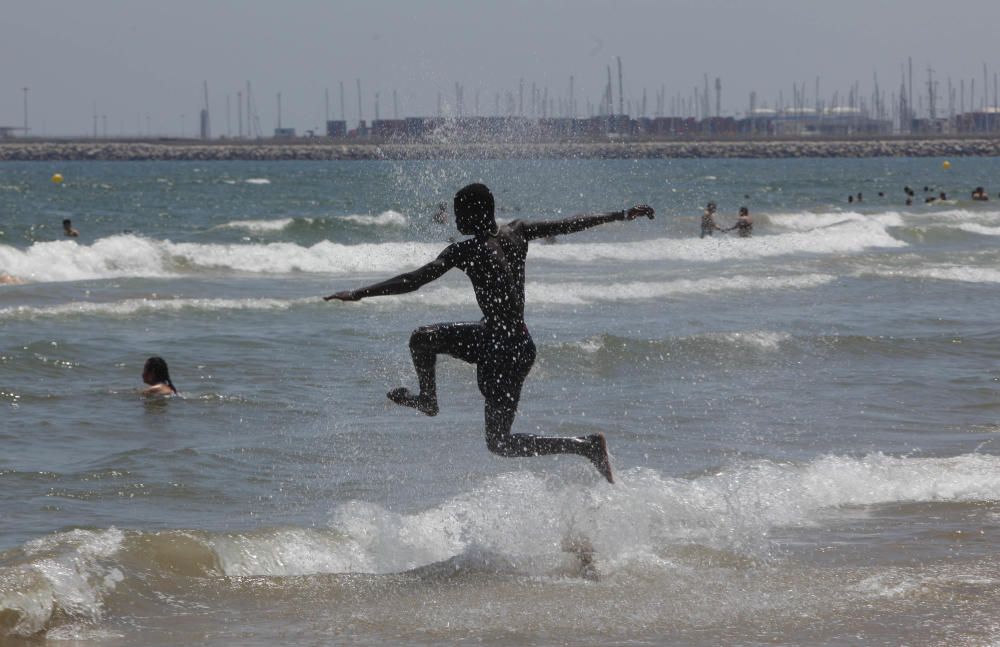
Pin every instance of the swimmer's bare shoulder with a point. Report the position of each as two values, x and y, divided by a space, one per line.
157 389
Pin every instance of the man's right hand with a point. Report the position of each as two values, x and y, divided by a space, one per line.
344 295
638 211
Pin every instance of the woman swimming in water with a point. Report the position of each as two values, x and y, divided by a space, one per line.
156 374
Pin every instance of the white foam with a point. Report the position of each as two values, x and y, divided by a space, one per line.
82 633
66 260
959 273
976 228
128 255
129 307
761 339
526 517
962 273
765 340
325 257
848 237
293 551
66 571
952 216
807 221
578 293
522 520
591 345
385 219
581 293
886 585
262 225
257 180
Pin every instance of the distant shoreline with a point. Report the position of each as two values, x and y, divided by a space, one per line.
193 150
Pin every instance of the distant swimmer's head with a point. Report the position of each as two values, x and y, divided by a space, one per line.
475 210
155 372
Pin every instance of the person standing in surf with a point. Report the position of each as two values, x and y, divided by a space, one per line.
499 344
708 225
744 224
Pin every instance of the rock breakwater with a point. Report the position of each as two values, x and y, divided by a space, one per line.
19 150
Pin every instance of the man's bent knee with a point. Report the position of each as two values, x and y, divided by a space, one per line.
422 339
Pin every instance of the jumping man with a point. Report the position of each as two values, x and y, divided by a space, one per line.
499 345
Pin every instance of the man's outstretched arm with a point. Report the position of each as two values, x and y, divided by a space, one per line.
574 224
401 284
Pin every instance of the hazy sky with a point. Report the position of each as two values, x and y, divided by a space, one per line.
143 62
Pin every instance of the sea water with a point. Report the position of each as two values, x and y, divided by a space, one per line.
803 424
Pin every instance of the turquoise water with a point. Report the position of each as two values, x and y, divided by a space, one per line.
802 423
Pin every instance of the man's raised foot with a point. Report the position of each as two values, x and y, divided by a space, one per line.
598 455
423 404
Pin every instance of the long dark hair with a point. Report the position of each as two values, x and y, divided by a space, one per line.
158 367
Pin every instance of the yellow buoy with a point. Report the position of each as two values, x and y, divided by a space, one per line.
946 164
57 178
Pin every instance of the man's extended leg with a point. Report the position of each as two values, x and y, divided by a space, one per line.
499 440
426 343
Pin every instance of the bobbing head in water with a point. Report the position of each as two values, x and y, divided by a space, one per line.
475 211
156 374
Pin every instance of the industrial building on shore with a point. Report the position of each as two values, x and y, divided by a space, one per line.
762 123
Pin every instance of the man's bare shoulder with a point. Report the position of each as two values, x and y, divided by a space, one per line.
515 229
455 253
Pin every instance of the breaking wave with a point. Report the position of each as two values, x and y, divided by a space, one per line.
260 226
518 522
130 255
976 228
264 225
963 273
578 293
385 219
129 307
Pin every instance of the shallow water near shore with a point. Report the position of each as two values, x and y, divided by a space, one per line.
803 423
